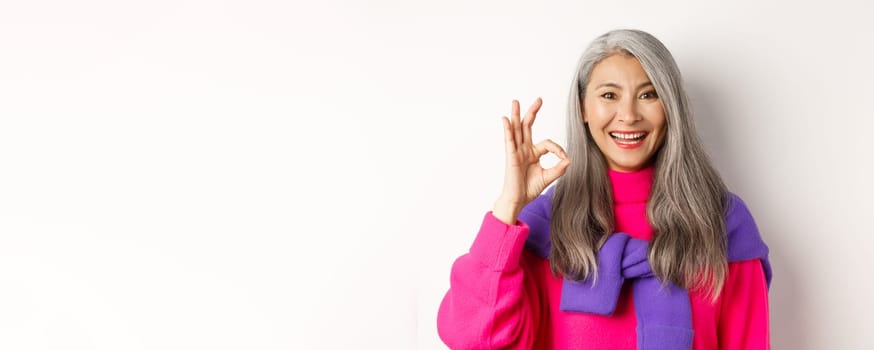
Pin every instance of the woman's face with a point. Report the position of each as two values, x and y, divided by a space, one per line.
625 116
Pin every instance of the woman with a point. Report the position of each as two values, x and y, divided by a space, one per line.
639 245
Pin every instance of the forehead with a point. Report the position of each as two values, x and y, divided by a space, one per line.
620 69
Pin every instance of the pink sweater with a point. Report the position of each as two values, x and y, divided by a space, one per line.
502 296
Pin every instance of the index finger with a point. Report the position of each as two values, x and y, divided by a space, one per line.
550 146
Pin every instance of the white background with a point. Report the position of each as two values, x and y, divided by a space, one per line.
275 175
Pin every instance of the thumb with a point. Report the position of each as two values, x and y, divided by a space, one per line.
556 171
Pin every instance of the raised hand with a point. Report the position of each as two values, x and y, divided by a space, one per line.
524 178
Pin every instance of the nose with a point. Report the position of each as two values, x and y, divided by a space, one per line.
627 111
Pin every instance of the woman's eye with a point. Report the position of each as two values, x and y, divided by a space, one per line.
608 95
649 94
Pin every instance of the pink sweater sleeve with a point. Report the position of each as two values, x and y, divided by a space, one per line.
743 320
488 305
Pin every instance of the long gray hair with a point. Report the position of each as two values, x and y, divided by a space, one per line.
687 203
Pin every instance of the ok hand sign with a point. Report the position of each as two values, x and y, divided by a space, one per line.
524 178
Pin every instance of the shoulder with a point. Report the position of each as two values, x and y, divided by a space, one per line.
738 215
744 240
537 216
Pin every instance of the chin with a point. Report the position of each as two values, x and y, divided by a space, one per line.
630 165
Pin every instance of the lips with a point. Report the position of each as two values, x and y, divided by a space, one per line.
628 139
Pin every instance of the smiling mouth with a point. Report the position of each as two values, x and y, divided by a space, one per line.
628 138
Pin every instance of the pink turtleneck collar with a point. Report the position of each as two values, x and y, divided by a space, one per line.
631 187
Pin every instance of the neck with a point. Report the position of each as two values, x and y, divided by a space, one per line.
631 187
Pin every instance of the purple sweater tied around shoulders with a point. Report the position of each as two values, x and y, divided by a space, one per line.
664 314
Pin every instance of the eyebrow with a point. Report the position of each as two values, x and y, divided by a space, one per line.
612 84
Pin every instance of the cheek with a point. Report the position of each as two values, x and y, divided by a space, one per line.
659 124
596 112
659 113
656 116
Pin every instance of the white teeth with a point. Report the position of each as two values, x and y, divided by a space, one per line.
630 136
